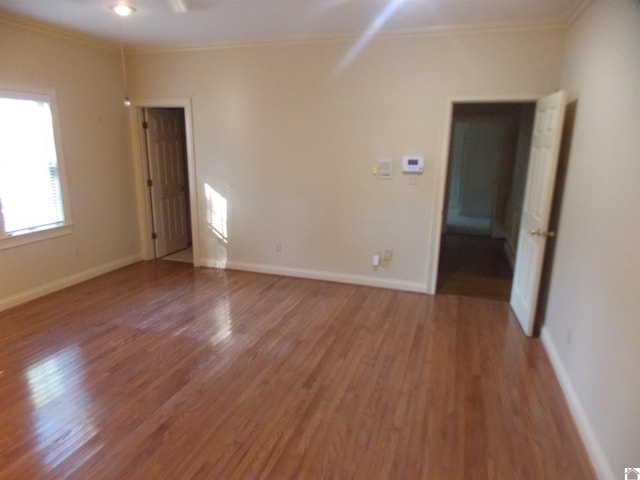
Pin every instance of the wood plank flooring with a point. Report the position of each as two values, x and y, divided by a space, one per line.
163 371
474 266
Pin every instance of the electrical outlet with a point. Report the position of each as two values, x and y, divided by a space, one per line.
387 255
278 247
569 335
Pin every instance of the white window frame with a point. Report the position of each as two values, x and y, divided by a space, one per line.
10 241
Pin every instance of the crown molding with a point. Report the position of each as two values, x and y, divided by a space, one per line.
60 32
350 37
55 31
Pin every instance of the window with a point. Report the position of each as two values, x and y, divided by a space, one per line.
33 203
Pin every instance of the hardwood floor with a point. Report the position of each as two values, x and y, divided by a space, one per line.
163 371
474 266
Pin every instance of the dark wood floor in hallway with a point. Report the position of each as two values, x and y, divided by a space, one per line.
474 266
163 371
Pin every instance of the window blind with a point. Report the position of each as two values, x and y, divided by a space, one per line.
30 192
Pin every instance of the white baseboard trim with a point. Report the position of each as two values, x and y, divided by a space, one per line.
594 449
393 284
65 282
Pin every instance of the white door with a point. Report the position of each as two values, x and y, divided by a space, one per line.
168 188
536 209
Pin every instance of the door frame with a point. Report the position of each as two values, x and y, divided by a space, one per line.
441 171
141 172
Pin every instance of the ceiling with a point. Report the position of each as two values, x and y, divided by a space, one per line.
190 23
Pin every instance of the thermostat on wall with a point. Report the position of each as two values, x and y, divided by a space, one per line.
412 164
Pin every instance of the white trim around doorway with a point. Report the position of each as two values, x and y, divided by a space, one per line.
144 208
441 172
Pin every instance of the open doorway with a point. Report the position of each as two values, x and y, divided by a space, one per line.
487 170
165 151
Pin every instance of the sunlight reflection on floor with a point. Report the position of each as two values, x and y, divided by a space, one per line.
63 421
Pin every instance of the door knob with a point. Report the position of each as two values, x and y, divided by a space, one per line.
541 233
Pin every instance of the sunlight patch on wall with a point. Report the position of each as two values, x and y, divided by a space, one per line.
216 212
217 215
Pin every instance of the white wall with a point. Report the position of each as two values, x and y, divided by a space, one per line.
87 82
290 142
592 328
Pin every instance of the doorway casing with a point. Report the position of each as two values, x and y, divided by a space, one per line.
441 170
138 150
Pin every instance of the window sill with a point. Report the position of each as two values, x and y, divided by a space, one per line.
26 238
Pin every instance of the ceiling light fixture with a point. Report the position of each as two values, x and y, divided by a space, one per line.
123 9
